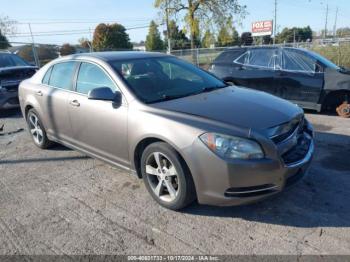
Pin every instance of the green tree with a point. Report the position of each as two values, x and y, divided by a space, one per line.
228 35
67 49
208 39
299 34
198 11
4 43
84 42
178 37
45 53
111 37
343 32
153 39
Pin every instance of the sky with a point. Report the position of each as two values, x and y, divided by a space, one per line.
80 17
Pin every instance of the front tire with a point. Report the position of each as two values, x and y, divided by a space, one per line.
167 177
37 130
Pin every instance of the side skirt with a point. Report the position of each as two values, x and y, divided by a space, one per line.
69 145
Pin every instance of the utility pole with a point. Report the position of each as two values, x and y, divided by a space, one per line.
326 23
91 39
294 38
35 54
275 24
167 25
335 24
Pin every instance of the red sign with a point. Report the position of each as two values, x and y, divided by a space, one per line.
262 28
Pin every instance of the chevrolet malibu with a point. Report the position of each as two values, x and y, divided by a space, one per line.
186 133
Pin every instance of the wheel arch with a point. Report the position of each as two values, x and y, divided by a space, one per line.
333 96
26 110
141 146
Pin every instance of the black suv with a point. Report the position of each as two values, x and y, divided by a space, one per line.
13 70
298 75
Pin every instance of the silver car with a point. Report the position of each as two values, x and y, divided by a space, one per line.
187 134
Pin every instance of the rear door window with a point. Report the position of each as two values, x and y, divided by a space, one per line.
228 57
62 75
296 60
46 78
263 58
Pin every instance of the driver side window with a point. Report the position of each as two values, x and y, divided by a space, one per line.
298 61
91 76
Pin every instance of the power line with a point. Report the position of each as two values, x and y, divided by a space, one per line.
70 32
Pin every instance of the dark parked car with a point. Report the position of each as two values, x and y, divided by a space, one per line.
184 131
13 70
300 76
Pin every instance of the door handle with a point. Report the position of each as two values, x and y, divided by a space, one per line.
75 103
39 93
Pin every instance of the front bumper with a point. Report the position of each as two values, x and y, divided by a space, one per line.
225 182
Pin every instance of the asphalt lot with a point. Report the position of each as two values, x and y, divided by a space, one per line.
58 201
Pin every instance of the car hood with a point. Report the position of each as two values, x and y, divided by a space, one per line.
14 68
236 106
17 72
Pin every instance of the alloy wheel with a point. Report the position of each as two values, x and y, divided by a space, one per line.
35 129
162 176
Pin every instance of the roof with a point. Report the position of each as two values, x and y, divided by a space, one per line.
118 55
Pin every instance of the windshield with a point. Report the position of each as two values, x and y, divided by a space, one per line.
324 61
164 78
10 60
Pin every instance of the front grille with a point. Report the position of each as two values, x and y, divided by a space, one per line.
294 124
294 144
298 152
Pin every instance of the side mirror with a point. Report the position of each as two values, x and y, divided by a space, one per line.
106 94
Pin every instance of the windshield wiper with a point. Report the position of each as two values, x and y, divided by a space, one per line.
210 88
167 98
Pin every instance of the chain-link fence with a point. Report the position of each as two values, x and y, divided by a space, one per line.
338 51
35 54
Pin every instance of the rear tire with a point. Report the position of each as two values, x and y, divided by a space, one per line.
37 130
167 177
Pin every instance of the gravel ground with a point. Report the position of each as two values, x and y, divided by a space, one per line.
59 201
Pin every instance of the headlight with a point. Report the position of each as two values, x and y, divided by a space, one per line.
232 147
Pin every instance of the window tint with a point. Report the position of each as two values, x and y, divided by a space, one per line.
228 56
298 61
261 58
91 76
46 78
62 74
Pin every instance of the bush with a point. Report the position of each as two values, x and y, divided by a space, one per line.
339 55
